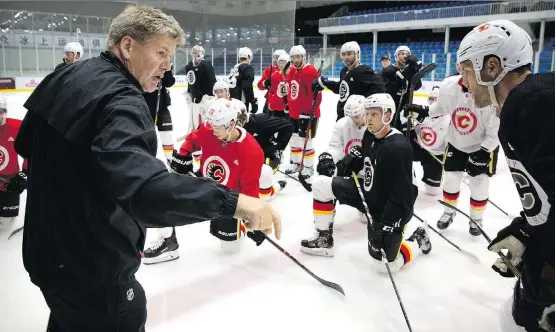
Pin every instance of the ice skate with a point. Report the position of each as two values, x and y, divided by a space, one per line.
420 235
307 173
473 229
294 168
445 220
162 250
321 244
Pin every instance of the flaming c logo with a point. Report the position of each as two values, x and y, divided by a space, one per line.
428 136
217 169
464 120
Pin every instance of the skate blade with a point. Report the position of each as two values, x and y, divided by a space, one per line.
318 251
166 257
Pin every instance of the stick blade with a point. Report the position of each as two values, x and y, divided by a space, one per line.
304 183
332 285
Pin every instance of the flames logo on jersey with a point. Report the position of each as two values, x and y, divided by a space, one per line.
294 89
4 158
464 120
191 78
217 169
369 172
428 136
352 142
282 90
344 91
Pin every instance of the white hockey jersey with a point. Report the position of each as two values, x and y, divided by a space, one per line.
432 132
471 128
344 136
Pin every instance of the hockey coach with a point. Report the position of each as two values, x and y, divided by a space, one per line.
94 183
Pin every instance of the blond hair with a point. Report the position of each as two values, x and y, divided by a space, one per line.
143 23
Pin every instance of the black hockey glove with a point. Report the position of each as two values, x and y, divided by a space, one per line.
266 84
351 162
17 184
418 112
326 165
319 84
303 124
278 154
515 238
254 105
181 164
477 163
256 236
381 236
413 61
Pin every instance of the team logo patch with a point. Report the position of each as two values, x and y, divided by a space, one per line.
352 142
217 169
344 91
191 78
294 89
282 89
130 294
464 120
369 172
428 136
4 158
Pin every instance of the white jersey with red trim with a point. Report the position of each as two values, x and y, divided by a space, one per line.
471 128
345 135
432 133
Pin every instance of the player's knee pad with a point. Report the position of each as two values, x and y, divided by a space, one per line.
6 223
322 188
265 182
479 185
231 246
452 182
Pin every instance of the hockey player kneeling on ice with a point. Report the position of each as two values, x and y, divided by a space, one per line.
232 157
13 178
472 146
386 163
430 133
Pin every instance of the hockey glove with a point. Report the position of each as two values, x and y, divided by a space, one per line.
266 84
352 162
415 111
413 61
278 154
326 165
181 164
382 236
254 105
515 238
319 84
256 236
17 184
303 124
477 163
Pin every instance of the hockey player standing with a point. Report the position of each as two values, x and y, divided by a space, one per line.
278 92
472 140
72 52
241 80
200 80
158 102
496 60
385 163
13 177
300 99
265 83
355 78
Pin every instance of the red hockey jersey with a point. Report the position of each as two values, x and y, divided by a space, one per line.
236 165
9 161
300 96
278 90
267 73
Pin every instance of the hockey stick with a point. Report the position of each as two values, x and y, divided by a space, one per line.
303 182
157 103
369 220
326 283
15 232
502 256
414 80
288 175
468 253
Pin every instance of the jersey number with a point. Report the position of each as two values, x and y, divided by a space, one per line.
232 79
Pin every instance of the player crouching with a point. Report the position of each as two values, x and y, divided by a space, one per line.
386 164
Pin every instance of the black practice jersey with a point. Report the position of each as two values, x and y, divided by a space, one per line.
240 81
271 132
527 136
361 80
388 184
200 80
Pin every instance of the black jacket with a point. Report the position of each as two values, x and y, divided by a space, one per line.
264 128
94 182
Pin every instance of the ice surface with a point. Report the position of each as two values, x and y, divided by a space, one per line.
260 289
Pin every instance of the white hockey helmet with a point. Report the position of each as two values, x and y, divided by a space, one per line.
74 47
383 101
354 106
433 96
242 115
3 104
245 52
221 112
279 52
352 46
220 85
402 48
502 38
284 57
298 50
198 52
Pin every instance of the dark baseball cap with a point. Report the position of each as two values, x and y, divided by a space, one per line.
385 57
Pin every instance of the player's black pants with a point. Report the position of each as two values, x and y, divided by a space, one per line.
118 309
226 229
346 192
163 120
280 114
456 160
300 127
